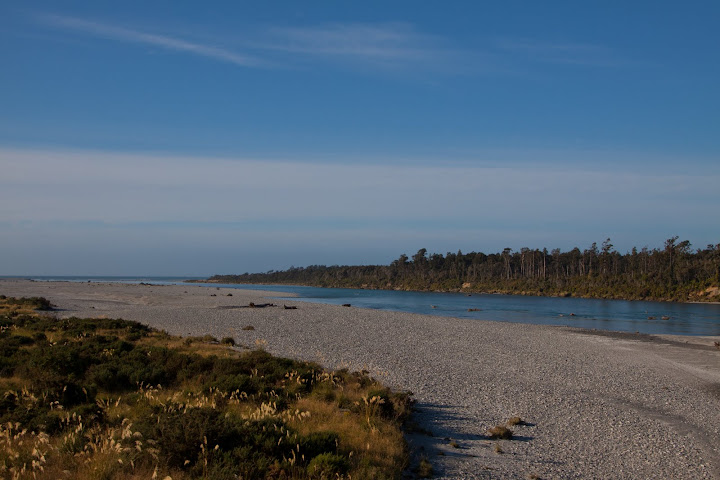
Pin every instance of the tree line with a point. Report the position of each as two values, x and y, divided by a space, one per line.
674 272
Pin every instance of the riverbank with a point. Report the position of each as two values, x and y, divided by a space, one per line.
594 405
710 295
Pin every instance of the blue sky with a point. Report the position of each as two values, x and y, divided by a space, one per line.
177 138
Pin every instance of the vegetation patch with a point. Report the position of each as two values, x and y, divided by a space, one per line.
500 432
512 421
15 306
105 398
676 272
424 469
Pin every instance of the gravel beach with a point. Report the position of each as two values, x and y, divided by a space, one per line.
594 404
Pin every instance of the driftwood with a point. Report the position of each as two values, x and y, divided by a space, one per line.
346 305
291 307
249 305
259 305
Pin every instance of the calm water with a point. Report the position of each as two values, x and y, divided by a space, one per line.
619 315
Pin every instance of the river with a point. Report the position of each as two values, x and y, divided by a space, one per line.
616 315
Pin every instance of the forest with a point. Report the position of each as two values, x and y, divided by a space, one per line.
675 272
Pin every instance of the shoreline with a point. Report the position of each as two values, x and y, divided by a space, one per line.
679 339
596 404
475 292
658 332
460 291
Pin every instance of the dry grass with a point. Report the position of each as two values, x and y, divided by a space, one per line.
424 469
12 383
14 310
512 421
374 448
196 345
16 306
113 434
500 432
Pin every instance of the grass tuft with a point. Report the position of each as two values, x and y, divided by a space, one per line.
424 469
500 432
512 421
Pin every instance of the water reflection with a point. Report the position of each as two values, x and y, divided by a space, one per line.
620 315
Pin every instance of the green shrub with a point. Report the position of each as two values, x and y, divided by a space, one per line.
242 382
175 428
317 443
36 303
179 436
39 337
327 466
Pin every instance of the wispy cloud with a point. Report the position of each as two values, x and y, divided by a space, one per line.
573 53
376 42
382 46
394 46
104 30
386 46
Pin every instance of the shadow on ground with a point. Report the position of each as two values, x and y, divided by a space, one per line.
431 435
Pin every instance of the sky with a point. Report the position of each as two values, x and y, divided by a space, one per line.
196 138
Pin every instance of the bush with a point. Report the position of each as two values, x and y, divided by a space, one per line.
179 435
317 443
500 432
185 439
54 388
36 303
241 382
327 466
